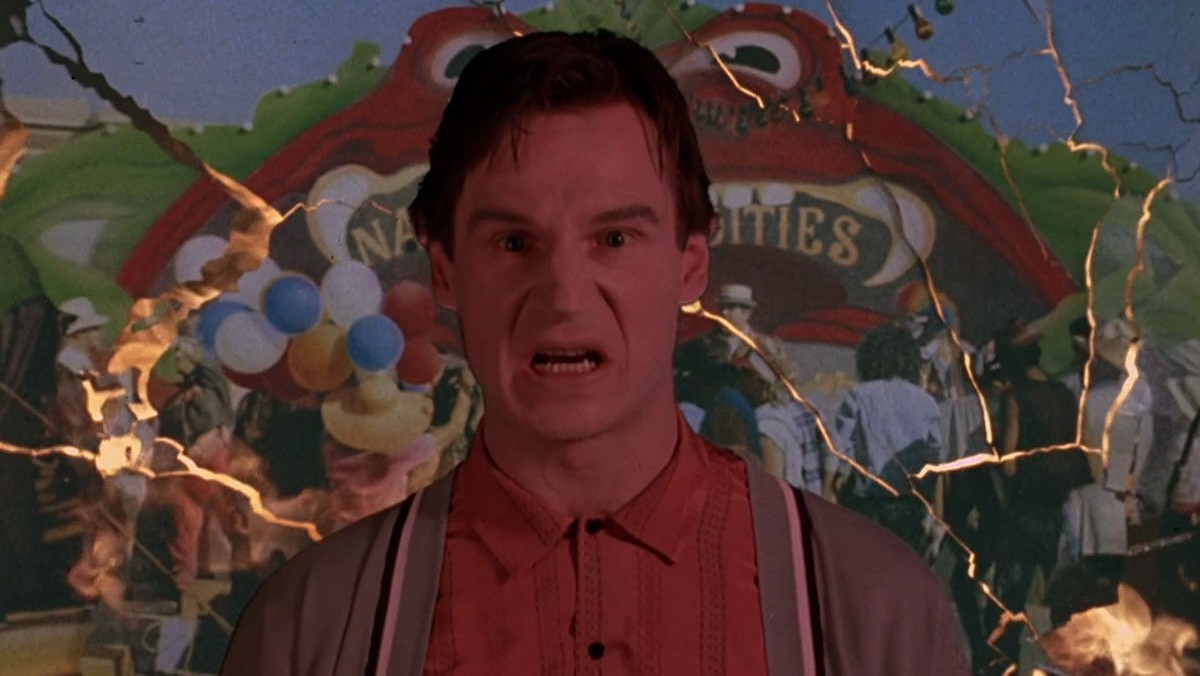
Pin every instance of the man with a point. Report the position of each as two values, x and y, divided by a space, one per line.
1036 412
736 304
202 402
892 427
589 530
791 441
81 347
719 373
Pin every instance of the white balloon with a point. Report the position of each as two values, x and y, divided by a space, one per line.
247 343
191 257
351 291
251 285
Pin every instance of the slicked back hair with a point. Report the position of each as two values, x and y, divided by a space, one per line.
501 87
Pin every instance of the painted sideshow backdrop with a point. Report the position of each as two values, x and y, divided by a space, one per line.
881 249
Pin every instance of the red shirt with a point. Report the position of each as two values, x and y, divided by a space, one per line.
666 585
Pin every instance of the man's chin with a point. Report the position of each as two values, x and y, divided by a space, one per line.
569 421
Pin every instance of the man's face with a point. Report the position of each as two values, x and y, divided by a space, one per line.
185 363
87 339
738 315
568 276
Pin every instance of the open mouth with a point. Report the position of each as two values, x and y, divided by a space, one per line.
565 362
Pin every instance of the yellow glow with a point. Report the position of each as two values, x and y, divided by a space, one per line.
152 323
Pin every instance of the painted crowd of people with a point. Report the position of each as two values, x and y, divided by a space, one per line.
1054 528
132 540
1050 527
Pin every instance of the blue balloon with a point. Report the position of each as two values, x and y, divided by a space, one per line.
375 343
292 304
211 316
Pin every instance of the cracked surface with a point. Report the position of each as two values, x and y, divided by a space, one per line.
150 326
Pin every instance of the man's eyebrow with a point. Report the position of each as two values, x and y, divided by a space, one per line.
496 214
626 213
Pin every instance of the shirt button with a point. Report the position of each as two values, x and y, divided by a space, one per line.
596 650
594 526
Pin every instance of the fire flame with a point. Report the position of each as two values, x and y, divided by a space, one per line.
151 329
1122 639
1119 639
993 457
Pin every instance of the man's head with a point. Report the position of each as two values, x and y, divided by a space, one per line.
736 304
82 324
888 351
557 228
502 87
1080 331
1017 350
188 354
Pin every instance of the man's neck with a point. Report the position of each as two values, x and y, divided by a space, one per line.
589 477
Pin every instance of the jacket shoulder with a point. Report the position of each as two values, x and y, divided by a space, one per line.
317 611
860 545
882 609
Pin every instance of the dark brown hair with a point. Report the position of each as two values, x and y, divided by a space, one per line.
542 72
888 351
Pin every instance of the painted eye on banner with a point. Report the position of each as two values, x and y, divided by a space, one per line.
763 55
453 56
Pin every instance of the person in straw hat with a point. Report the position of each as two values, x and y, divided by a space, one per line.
736 304
1098 514
79 351
791 446
589 530
82 337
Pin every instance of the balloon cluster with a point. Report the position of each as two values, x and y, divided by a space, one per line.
283 333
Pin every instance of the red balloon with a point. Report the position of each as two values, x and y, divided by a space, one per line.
278 382
250 381
420 362
411 306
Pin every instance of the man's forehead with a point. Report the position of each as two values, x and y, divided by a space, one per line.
561 125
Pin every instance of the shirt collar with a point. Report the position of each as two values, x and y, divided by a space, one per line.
667 511
519 528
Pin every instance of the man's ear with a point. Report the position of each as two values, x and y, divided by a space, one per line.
441 275
694 268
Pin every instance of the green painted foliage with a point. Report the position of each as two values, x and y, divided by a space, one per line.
650 22
18 278
1066 194
122 176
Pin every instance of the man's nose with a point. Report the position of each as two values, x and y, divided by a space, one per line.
566 281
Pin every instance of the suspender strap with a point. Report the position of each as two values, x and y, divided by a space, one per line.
782 574
380 598
783 590
412 591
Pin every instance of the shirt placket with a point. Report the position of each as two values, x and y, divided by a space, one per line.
548 605
589 639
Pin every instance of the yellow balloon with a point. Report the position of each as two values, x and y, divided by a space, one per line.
318 359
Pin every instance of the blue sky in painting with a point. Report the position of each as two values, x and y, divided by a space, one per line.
210 61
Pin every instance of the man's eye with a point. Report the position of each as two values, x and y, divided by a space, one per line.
615 239
513 243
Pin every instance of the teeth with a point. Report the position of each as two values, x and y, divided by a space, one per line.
775 194
742 194
563 368
737 196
